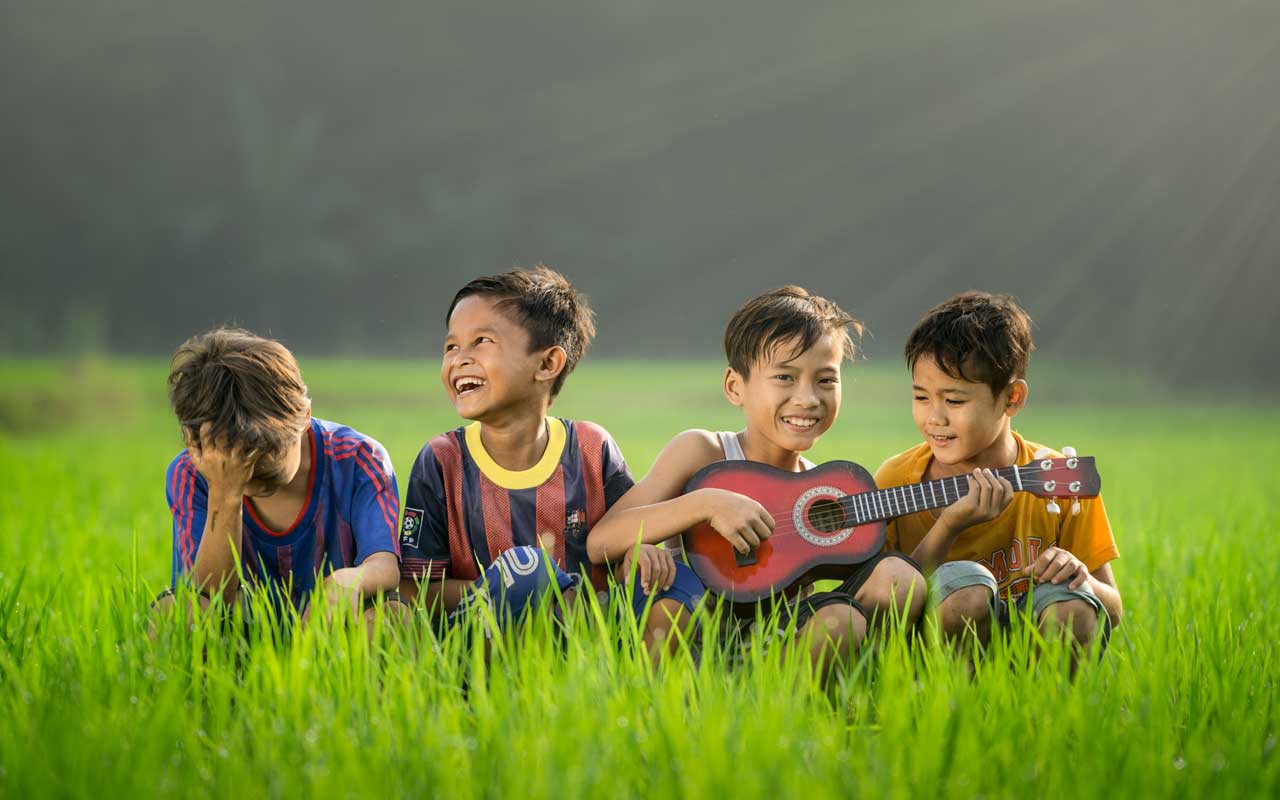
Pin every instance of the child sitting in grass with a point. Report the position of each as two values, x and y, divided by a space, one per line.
968 360
486 500
266 498
785 349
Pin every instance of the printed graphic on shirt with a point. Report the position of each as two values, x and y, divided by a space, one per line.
411 528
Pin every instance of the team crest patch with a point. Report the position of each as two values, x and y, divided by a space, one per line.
411 528
575 524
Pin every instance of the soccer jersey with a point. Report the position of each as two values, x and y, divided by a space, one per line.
1009 544
351 510
462 508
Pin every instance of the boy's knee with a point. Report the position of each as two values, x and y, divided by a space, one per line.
1076 616
970 605
896 581
843 625
666 618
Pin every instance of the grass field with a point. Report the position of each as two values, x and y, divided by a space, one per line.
1182 704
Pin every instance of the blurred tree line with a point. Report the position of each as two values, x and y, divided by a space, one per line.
331 172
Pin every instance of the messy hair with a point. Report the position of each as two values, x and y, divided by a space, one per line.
248 387
977 337
786 315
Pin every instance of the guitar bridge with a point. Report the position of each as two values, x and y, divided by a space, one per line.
745 559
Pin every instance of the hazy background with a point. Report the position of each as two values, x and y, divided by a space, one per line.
331 172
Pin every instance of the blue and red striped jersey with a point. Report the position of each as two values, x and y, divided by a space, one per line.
351 510
462 508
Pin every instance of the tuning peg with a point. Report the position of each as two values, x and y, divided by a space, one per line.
1075 508
1041 453
1052 507
1069 451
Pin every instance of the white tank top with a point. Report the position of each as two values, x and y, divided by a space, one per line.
733 449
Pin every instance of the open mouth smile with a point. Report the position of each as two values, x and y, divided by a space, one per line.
466 385
801 423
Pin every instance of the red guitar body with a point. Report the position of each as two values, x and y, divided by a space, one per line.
809 540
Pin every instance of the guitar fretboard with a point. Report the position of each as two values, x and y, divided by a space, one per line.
896 501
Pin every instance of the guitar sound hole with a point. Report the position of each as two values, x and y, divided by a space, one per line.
826 515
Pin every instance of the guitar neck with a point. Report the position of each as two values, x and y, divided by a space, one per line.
897 501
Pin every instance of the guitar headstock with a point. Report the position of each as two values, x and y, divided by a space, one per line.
1069 476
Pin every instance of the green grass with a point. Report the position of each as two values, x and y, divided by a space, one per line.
1181 704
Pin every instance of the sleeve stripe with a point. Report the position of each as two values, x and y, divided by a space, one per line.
181 478
188 545
379 485
173 485
371 467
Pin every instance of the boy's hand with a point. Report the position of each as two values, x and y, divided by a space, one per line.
341 591
1056 565
989 495
739 519
656 565
227 469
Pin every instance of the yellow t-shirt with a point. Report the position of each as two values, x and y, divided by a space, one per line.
1009 544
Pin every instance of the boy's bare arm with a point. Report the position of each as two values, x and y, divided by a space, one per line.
379 572
655 509
227 472
988 496
445 594
1103 583
350 586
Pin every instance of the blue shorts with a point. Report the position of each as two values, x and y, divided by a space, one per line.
686 589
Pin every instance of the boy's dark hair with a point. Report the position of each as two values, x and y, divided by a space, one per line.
782 315
247 386
977 337
546 305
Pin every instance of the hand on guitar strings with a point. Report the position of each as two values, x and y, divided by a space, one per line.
743 522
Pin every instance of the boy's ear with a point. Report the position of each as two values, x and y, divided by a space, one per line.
1017 397
551 364
733 386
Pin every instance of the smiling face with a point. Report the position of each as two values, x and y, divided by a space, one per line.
965 424
487 368
789 402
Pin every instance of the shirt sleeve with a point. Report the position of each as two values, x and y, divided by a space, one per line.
1088 535
424 533
375 503
617 476
188 497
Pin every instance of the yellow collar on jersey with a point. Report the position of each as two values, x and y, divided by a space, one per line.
536 475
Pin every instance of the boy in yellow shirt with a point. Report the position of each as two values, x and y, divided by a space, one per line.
968 359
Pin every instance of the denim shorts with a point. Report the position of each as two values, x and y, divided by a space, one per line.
956 575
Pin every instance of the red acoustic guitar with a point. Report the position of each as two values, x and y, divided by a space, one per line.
831 518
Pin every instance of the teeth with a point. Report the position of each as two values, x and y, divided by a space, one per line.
462 385
800 422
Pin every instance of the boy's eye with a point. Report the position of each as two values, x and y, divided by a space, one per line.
482 339
955 402
448 348
782 377
920 398
830 381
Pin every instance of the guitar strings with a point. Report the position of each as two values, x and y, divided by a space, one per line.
821 519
